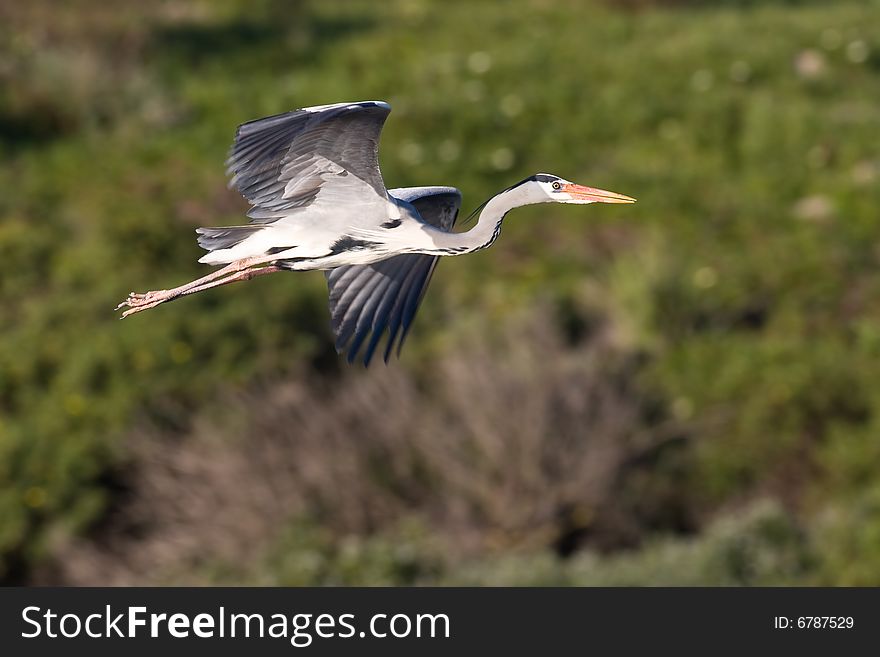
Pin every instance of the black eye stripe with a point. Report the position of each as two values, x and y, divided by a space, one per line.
538 177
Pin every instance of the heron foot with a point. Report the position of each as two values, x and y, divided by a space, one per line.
241 270
136 302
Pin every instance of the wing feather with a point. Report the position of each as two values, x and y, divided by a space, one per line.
283 162
370 299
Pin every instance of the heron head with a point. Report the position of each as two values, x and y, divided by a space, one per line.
559 190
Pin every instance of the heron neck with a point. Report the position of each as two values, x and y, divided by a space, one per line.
488 226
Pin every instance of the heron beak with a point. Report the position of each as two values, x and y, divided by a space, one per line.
593 195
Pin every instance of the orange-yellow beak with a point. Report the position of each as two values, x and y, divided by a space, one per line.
582 194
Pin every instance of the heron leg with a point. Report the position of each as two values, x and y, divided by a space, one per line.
244 275
155 297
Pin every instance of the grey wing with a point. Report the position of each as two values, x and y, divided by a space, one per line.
283 162
365 300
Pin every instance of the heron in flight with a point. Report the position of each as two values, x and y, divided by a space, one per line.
318 202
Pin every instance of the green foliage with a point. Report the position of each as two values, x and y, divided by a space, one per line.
308 555
761 547
746 276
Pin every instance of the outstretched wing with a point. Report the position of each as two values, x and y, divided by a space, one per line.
284 162
367 299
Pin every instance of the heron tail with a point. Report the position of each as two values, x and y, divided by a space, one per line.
214 239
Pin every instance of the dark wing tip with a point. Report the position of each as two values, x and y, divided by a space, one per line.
379 301
361 306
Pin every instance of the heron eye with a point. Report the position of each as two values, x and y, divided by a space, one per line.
556 185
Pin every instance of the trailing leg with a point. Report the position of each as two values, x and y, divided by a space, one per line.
136 302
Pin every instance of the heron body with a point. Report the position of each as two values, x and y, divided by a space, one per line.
319 202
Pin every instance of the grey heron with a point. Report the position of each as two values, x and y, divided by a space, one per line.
318 202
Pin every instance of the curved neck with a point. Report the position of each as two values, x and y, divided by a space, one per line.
488 225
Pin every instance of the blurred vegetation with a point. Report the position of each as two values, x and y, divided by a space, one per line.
684 391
